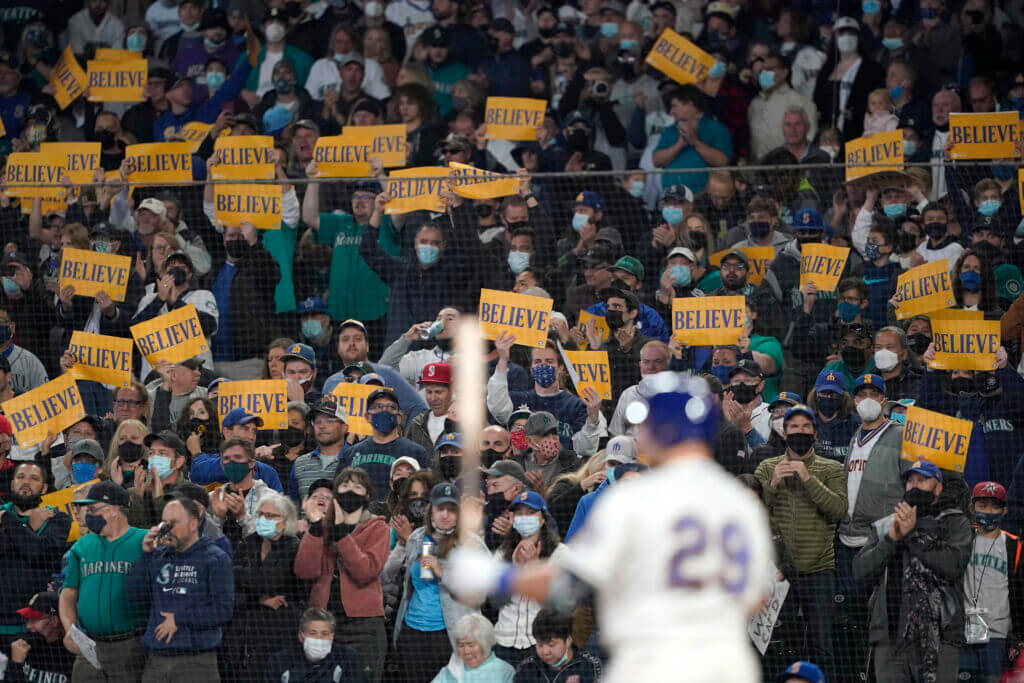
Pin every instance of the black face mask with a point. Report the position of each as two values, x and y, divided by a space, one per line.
492 45
106 138
563 49
800 443
129 452
489 456
905 242
922 500
178 275
742 393
496 503
944 128
512 227
936 231
853 357
699 240
291 437
546 32
614 320
807 240
961 384
417 508
196 426
577 141
450 466
986 383
350 501
827 405
918 342
396 484
26 502
236 249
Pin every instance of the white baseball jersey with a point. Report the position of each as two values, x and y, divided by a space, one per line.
677 558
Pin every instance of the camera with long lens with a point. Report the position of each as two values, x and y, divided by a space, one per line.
601 89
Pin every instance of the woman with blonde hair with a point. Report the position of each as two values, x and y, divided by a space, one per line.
566 490
126 457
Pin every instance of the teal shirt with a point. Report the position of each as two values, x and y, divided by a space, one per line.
355 289
424 613
99 568
769 346
444 78
281 245
302 61
710 132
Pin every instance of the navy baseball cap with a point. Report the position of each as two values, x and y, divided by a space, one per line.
925 469
830 380
799 409
212 385
591 199
805 670
869 380
104 492
449 439
790 398
303 352
808 219
444 493
311 304
239 416
530 499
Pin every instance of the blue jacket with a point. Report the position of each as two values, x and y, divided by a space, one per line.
206 469
648 321
197 586
409 400
583 510
208 110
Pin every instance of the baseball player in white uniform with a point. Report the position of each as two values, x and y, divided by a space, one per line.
677 557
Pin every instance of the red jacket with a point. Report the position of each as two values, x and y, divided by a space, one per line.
360 557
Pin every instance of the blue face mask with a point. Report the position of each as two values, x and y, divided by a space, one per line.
609 29
989 207
579 220
161 464
82 472
894 44
894 210
673 215
211 45
563 660
427 254
898 417
384 422
928 13
10 286
871 7
1003 172
766 79
311 329
636 188
518 261
526 525
848 312
721 372
988 521
970 280
717 70
215 79
681 275
136 42
5 334
909 148
626 44
543 374
266 528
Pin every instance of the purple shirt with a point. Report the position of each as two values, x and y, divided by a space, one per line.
191 61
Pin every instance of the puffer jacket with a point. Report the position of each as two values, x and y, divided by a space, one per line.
882 560
452 609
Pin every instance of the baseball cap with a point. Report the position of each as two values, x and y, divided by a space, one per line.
530 499
805 670
161 72
437 36
591 199
311 304
104 492
620 449
678 193
303 352
631 265
239 416
167 437
247 119
405 460
17 257
213 385
722 9
830 380
45 604
736 254
368 105
808 219
371 186
449 439
372 378
191 491
193 363
275 14
507 468
9 58
541 423
444 493
989 489
309 124
275 119
88 447
869 380
677 407
105 229
925 469
214 18
383 392
799 409
155 205
613 6
180 258
328 406
747 367
322 483
858 330
352 322
436 373
598 255
667 6
360 367
518 414
848 23
682 251
790 398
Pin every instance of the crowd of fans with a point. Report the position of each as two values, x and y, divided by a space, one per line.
213 547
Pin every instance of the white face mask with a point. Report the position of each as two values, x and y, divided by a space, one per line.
847 43
316 648
886 360
776 423
869 409
275 32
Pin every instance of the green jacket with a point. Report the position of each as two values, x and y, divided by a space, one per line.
807 513
302 62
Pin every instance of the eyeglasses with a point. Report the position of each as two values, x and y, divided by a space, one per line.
739 267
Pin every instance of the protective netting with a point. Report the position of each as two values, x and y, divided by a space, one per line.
652 237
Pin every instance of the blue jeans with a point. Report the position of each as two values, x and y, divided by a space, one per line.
983 662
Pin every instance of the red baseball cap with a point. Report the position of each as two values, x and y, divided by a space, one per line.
5 426
41 605
436 373
989 489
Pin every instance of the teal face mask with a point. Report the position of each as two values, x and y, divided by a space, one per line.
989 207
673 215
579 220
893 210
681 275
427 254
161 464
518 261
609 29
10 286
135 42
311 329
266 528
893 44
609 473
898 417
636 188
215 80
626 44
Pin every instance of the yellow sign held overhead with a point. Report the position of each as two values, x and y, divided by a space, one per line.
924 289
257 204
68 79
527 317
416 189
51 407
91 272
984 136
264 398
349 155
474 183
593 371
880 153
679 59
101 358
823 265
514 118
352 397
159 162
709 320
35 174
760 261
600 325
81 159
936 437
244 157
174 336
964 344
118 81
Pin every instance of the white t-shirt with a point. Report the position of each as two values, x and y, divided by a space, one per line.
856 461
325 72
411 17
435 426
938 166
162 20
951 251
677 572
266 79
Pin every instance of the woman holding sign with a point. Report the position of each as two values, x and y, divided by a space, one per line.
974 285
